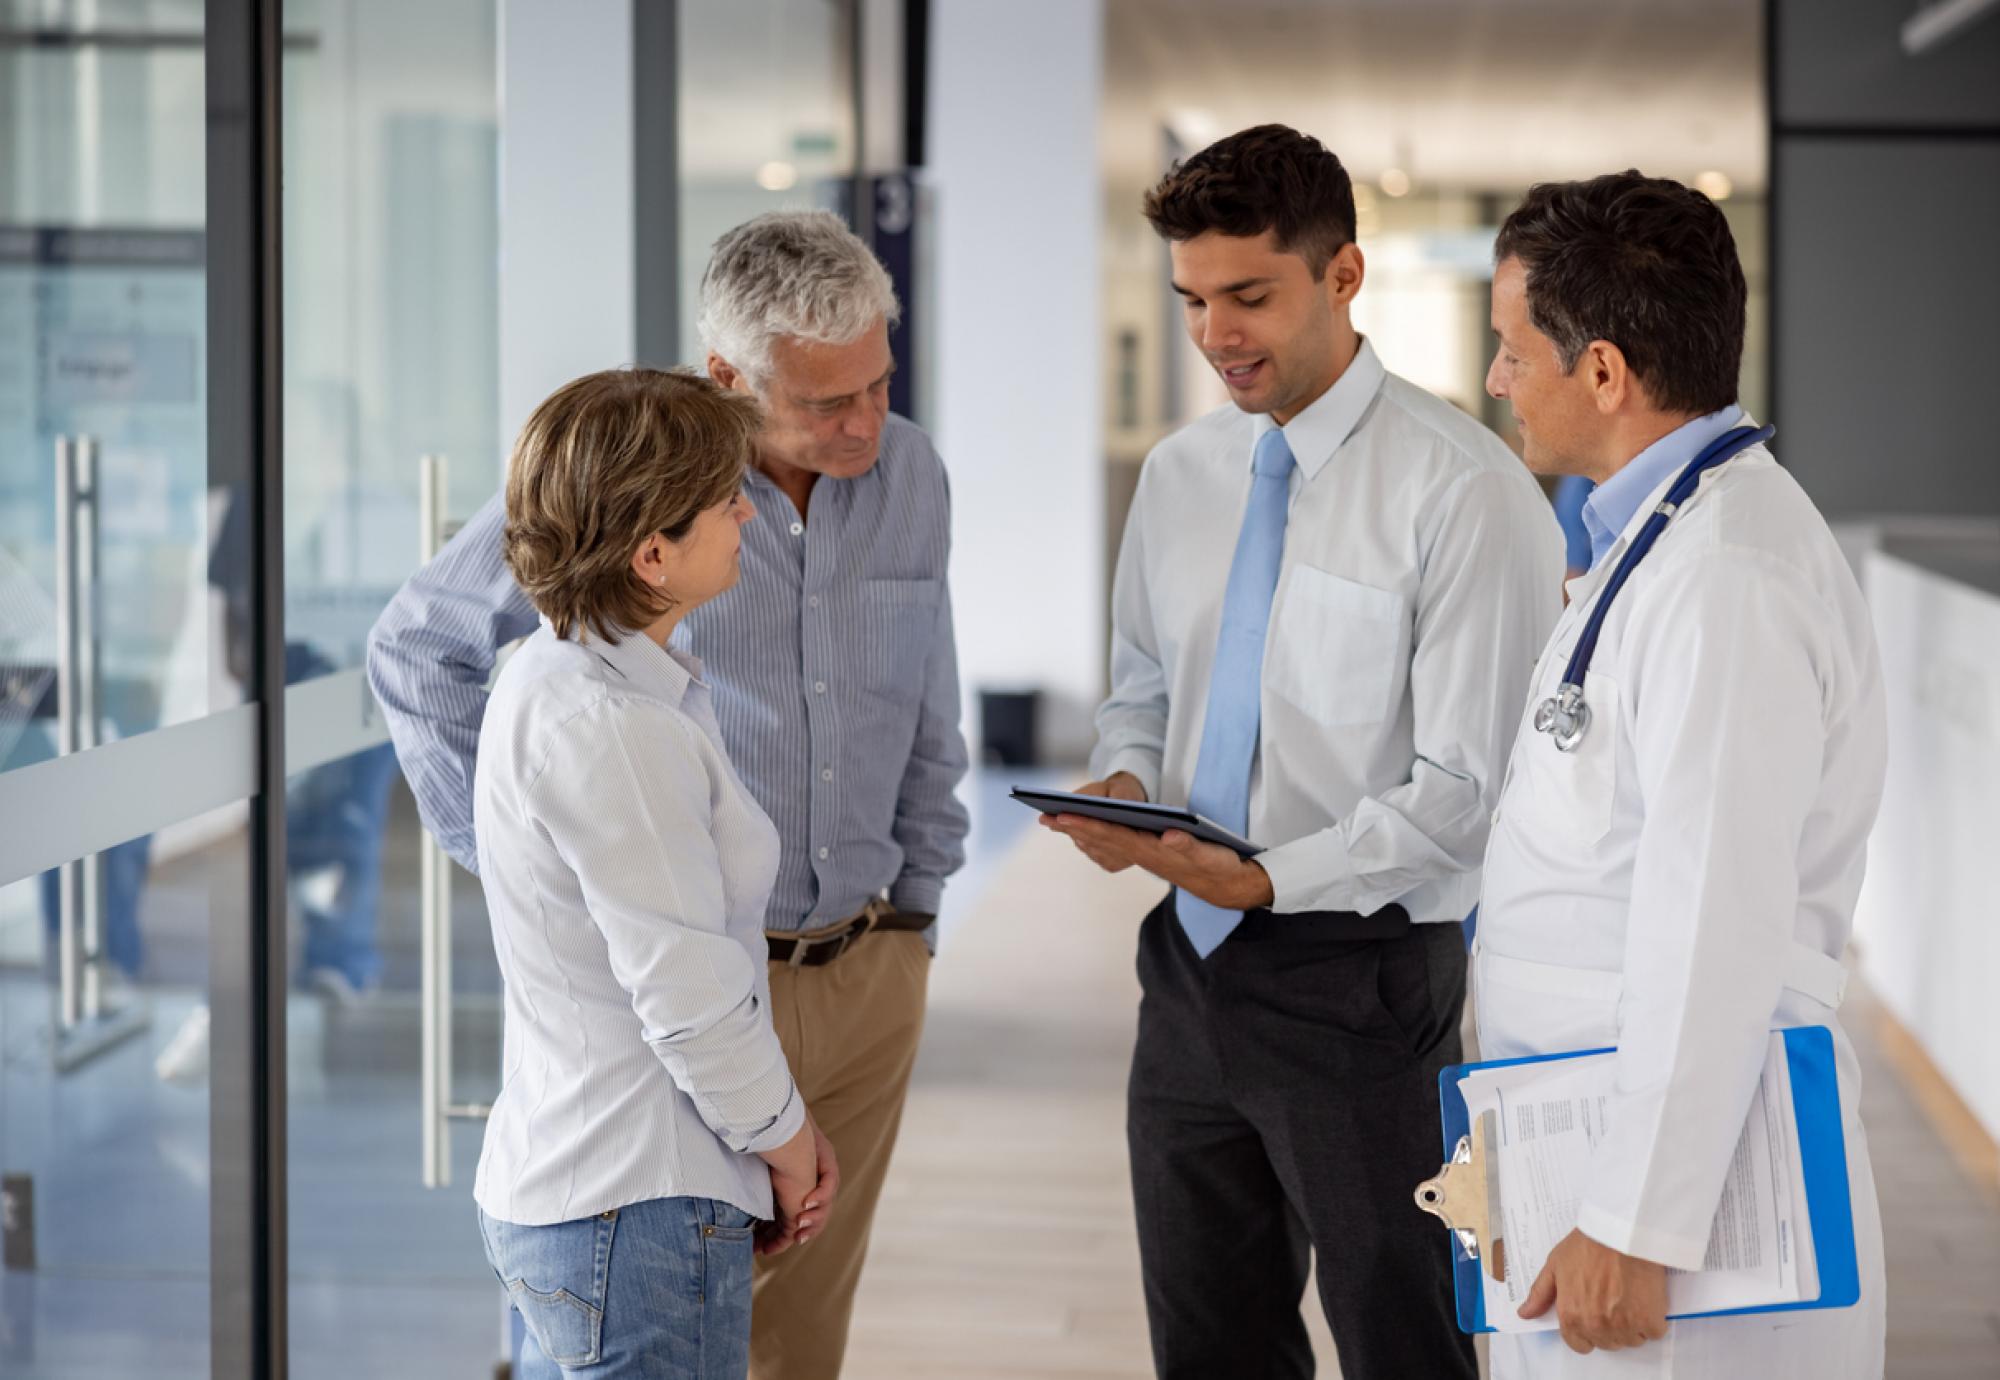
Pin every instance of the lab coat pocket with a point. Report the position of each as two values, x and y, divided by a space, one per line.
1336 647
1534 1008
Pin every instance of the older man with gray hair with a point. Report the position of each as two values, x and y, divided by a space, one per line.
835 680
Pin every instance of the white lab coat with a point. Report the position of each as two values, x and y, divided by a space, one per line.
1684 883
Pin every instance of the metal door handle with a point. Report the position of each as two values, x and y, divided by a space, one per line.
84 1027
434 884
79 924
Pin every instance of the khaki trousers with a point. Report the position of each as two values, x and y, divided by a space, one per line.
850 1031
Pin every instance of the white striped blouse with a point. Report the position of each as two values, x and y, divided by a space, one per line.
626 871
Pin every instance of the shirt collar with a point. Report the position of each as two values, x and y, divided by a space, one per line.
1614 502
644 664
1319 431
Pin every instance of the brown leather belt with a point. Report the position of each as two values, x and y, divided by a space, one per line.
815 948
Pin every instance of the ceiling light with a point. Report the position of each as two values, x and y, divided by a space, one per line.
777 177
1196 128
1713 185
1395 182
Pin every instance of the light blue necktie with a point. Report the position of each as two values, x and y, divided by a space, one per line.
1221 788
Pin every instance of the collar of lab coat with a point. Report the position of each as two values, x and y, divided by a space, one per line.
1585 585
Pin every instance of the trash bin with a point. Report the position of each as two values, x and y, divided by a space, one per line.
1007 726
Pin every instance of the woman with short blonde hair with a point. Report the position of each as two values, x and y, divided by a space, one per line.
647 1122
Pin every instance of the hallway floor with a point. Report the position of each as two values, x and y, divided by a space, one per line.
1004 1248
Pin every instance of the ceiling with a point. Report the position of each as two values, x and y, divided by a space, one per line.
1472 94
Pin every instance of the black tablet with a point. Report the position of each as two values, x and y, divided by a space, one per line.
1134 814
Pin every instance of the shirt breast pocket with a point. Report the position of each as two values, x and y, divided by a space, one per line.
1336 647
898 619
1575 794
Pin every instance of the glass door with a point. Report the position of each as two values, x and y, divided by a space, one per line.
391 383
127 754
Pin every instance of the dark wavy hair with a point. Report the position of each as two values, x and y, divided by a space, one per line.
1268 178
1641 262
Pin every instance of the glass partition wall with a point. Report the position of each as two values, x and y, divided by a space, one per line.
390 122
108 646
249 376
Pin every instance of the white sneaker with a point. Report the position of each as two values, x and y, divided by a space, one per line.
185 1059
332 985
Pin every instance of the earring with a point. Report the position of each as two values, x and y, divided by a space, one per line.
662 580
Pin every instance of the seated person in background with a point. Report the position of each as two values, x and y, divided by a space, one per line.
645 1098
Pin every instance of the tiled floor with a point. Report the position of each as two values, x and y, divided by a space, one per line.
1005 1245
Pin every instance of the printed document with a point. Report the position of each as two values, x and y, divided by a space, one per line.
1552 1116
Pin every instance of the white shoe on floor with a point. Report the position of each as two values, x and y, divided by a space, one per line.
333 986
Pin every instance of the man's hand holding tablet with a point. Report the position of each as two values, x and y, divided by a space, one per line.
1218 873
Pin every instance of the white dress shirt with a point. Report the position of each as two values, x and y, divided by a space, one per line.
1422 570
1684 882
626 872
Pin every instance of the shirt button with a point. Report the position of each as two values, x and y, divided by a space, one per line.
812 601
819 687
823 854
797 528
826 773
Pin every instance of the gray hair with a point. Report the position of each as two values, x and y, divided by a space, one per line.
801 274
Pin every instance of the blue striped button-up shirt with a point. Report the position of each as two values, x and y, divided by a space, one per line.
832 660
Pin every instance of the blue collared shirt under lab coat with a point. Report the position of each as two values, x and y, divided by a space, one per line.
1611 504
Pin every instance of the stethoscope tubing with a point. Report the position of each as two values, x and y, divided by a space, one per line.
1565 715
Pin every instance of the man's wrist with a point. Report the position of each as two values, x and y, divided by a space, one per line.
1258 892
1141 766
1130 780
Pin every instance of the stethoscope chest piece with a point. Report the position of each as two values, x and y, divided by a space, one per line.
1564 717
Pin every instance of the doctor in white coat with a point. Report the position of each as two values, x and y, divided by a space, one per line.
1683 881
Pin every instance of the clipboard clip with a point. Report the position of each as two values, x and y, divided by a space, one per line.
1465 1196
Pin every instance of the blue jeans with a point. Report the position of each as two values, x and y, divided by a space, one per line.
658 1290
335 817
125 867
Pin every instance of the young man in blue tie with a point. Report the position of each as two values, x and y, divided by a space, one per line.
1328 600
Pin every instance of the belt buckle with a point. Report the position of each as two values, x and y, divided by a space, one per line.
860 925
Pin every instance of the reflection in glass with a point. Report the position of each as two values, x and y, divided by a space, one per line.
112 1275
391 354
105 511
766 122
108 534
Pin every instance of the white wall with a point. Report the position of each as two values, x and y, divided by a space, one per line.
566 212
1014 95
1924 926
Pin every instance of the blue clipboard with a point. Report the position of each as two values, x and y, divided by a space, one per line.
1822 1150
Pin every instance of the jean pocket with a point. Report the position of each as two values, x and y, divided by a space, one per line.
568 1330
727 1252
557 1277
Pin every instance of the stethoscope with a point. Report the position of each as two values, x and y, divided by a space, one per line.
1564 716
